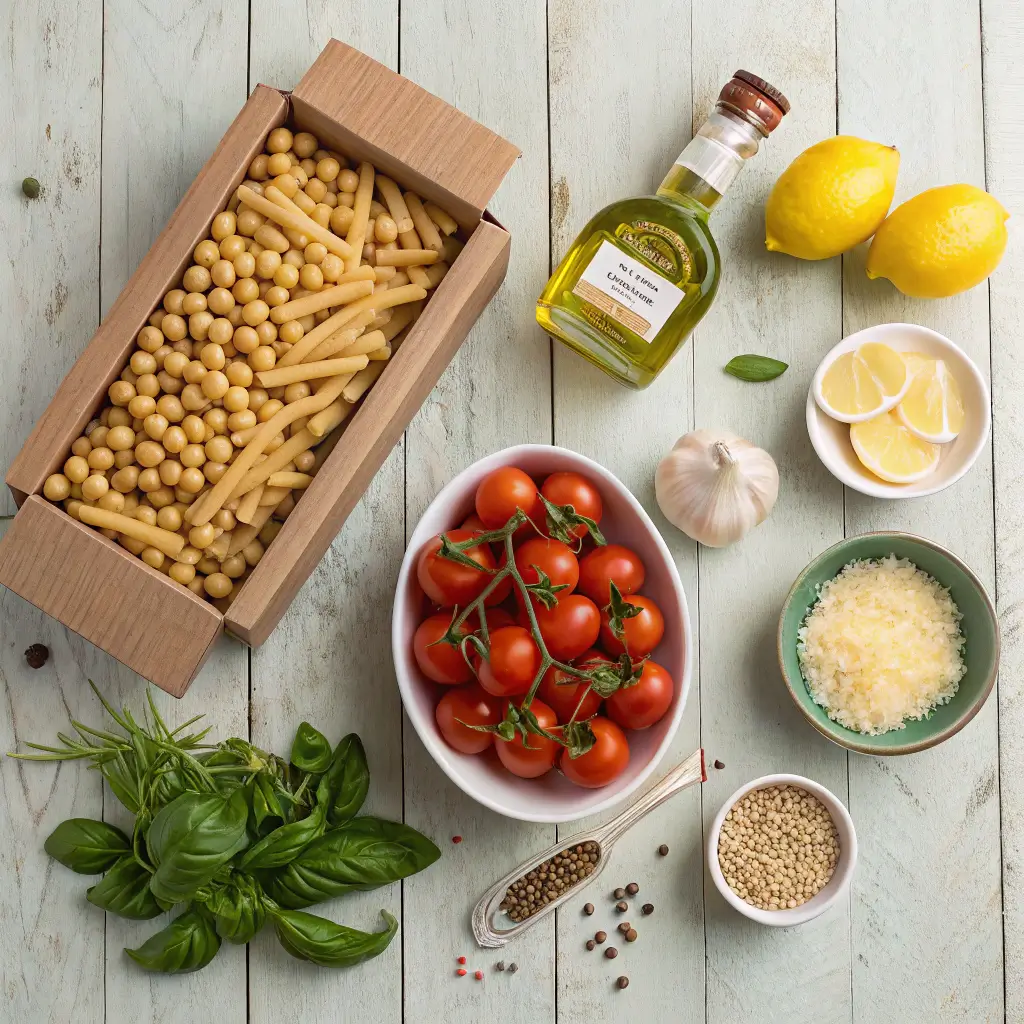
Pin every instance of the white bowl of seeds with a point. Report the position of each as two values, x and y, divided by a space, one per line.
782 850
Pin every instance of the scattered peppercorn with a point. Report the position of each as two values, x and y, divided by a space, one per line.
624 927
719 765
622 981
500 965
619 894
631 935
460 959
591 944
599 937
632 888
548 881
647 908
479 975
622 906
588 909
461 972
512 968
456 839
778 847
663 850
30 187
37 655
611 952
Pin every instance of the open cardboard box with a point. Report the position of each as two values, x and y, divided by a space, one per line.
110 597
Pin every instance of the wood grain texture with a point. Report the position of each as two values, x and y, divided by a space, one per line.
329 660
934 815
495 393
642 122
1003 30
777 306
48 278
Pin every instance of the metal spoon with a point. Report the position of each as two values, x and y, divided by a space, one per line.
488 931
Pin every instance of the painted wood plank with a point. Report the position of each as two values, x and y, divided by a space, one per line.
776 306
642 122
1002 38
51 114
174 79
926 900
489 61
318 665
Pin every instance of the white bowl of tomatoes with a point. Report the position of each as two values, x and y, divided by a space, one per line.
590 733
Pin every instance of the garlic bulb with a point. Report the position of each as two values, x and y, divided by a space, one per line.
715 486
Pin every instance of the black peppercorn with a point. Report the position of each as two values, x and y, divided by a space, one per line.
599 937
719 765
663 850
619 894
622 906
588 909
512 968
632 888
591 943
611 952
622 982
500 965
647 908
37 655
624 927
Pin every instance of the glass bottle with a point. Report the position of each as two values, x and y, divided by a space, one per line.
643 272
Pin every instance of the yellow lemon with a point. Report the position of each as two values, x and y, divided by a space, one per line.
932 408
941 242
890 451
831 197
863 383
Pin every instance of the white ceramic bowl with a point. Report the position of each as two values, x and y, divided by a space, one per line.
837 884
551 798
831 439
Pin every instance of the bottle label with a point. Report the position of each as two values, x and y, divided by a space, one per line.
628 292
718 165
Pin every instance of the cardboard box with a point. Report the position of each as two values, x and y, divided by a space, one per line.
110 597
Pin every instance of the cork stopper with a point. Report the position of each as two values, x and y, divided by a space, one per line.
755 100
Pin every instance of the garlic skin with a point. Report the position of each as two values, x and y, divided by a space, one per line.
715 486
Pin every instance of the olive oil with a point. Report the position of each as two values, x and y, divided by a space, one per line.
644 271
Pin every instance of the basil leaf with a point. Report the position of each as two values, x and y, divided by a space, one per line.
311 750
188 943
238 910
343 788
124 890
756 368
267 812
322 942
191 838
86 845
285 843
365 853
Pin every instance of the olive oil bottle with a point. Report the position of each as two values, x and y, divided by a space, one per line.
644 271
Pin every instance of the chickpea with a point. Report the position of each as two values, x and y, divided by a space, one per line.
245 291
149 453
150 339
112 501
223 225
220 301
141 406
262 358
266 332
214 385
212 356
76 469
233 566
332 267
147 385
216 422
341 220
81 446
156 317
196 585
290 332
124 458
199 325
192 455
181 573
278 164
213 471
286 276
222 273
174 327
202 537
195 302
121 392
161 497
143 362
193 429
125 479
311 277
279 141
225 519
345 199
173 300
284 509
197 278
293 392
100 459
248 222
149 480
170 472
168 410
218 448
241 420
256 312
267 263
208 564
192 481
274 295
244 265
230 247
385 229
193 398
258 168
269 410
236 398
119 439
287 183
175 363
304 144
57 487
239 374
169 518
94 487
217 585
370 253
316 190
153 557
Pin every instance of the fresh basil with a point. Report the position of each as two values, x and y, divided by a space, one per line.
284 844
238 910
365 853
86 845
191 838
311 750
188 943
267 812
320 941
756 369
124 890
343 788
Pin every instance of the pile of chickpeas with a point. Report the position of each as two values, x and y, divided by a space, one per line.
189 400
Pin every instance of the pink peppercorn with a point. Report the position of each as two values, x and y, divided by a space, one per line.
479 975
461 972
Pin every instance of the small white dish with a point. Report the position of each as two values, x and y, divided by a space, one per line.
831 439
551 798
836 885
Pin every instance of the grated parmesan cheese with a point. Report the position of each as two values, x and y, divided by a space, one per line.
881 645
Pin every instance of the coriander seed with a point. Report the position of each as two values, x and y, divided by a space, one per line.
622 906
550 880
631 935
619 894
591 944
624 927
632 888
611 952
588 909
622 981
599 937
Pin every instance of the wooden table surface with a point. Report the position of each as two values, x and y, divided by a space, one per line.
115 105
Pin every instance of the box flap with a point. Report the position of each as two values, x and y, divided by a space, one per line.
70 571
410 134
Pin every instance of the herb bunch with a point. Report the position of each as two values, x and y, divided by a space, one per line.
234 836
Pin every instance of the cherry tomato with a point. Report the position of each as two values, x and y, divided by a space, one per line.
500 493
610 562
469 705
643 631
551 557
496 619
604 762
474 524
513 662
449 583
573 489
557 691
641 705
529 762
440 662
569 628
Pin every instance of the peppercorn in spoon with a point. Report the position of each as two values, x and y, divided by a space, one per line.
546 881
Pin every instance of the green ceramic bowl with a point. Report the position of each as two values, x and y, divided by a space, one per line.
979 625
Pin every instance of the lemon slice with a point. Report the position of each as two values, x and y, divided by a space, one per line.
861 384
891 451
932 408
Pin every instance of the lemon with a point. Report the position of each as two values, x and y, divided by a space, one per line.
831 197
941 242
932 408
891 451
862 383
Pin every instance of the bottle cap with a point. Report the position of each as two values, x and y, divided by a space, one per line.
755 100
